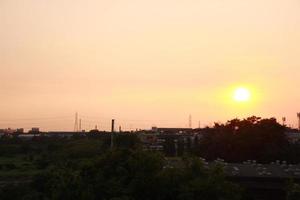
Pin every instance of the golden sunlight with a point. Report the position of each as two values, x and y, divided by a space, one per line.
242 95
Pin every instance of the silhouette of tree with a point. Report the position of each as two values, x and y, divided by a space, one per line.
237 140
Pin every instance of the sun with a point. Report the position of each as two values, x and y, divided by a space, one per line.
241 94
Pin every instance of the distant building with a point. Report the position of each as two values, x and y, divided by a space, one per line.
148 137
7 131
172 130
20 130
35 130
151 141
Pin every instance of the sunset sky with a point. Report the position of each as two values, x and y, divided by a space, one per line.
147 62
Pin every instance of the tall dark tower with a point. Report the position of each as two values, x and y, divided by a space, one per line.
112 133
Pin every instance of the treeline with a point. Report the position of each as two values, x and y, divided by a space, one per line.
84 168
126 175
253 138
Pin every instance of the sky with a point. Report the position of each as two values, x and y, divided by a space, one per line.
146 63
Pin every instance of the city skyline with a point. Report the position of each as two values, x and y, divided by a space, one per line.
88 123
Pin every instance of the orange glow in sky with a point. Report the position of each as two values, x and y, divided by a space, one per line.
146 63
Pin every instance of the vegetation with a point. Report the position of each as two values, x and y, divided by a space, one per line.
127 174
86 168
253 138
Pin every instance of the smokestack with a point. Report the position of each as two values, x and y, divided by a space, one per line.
112 125
112 133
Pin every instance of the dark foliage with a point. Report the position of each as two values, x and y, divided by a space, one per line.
238 140
127 174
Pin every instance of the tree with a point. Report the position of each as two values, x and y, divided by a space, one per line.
251 138
135 175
